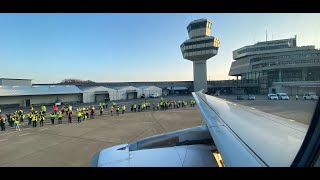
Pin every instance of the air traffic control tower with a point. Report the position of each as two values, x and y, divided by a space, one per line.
199 48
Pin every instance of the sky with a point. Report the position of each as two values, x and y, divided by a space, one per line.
132 47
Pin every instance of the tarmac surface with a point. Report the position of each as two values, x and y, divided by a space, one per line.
74 144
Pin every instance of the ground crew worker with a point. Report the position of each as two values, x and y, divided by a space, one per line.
3 123
29 118
118 108
62 109
41 118
70 117
158 105
22 116
32 109
92 112
87 112
104 105
34 120
111 110
185 104
297 97
44 109
135 107
101 110
55 109
16 123
59 117
19 112
67 111
123 109
84 117
52 117
79 114
11 120
70 108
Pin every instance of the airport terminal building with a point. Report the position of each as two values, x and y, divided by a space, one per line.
278 65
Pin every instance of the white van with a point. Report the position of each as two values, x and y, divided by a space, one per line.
310 95
154 95
272 97
283 96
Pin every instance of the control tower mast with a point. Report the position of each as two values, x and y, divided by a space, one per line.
199 48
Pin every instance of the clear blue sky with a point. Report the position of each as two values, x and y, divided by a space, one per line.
131 47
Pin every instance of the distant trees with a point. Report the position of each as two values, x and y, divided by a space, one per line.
75 81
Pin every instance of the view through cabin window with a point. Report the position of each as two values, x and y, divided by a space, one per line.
173 90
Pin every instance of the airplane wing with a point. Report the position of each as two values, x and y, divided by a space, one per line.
248 137
242 136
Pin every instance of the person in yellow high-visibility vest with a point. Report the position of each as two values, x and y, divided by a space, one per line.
16 123
29 118
118 109
44 109
60 117
22 116
41 118
79 115
52 117
123 109
84 116
34 120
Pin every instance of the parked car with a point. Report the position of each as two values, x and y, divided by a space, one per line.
283 96
272 97
310 95
251 97
154 95
240 97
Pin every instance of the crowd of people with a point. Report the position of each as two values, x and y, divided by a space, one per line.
82 113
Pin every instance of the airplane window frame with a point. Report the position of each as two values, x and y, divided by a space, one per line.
308 154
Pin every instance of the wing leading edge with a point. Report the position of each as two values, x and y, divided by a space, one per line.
248 137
